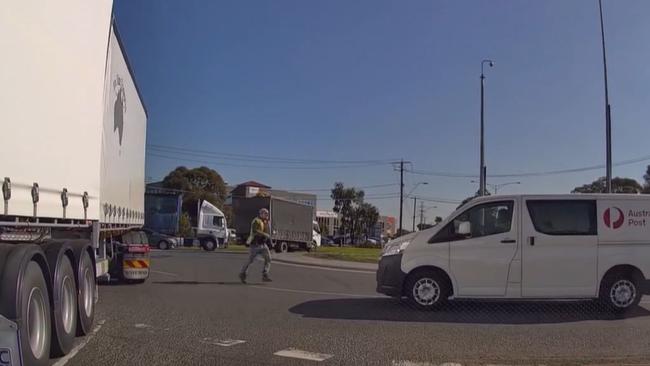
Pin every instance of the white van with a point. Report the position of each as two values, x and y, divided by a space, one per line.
526 247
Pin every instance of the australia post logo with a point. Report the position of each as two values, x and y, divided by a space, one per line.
613 218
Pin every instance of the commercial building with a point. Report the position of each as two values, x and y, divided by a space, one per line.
253 188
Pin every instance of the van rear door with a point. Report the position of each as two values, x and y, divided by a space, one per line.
560 248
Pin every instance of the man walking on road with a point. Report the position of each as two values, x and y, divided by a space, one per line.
258 240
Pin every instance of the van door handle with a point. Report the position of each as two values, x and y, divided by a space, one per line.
508 241
531 240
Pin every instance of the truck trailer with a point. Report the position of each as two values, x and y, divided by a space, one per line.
72 172
291 223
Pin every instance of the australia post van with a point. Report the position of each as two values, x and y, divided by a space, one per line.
526 247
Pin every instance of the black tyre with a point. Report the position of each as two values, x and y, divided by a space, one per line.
620 291
427 289
64 295
163 244
25 298
283 247
85 276
209 245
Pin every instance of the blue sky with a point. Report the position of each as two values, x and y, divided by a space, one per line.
377 80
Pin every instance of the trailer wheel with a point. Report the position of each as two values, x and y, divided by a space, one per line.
25 298
163 244
86 293
64 294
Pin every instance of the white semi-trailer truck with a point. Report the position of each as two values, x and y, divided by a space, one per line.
72 153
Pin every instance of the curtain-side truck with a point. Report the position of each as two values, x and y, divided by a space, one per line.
72 153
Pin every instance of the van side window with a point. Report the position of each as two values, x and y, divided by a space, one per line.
486 219
563 217
217 221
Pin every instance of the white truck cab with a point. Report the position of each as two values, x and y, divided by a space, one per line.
526 247
316 234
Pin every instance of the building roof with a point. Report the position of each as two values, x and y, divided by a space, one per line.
252 183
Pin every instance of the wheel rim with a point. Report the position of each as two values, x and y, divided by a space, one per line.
623 293
426 291
209 245
68 304
88 284
162 245
36 322
284 247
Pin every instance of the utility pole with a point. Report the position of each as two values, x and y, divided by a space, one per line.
608 115
415 204
401 194
482 170
421 212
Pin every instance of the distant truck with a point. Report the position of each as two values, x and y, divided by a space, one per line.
163 211
73 157
291 223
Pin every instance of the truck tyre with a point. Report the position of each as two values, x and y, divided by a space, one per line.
283 247
209 245
427 289
25 298
620 291
64 297
163 244
86 286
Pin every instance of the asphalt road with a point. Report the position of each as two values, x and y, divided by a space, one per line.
194 301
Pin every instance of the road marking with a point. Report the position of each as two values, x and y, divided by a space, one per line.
222 342
165 273
312 292
368 272
64 360
413 363
142 326
303 355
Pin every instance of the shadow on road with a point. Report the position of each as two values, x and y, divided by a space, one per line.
486 312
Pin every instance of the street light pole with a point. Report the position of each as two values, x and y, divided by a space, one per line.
482 177
608 115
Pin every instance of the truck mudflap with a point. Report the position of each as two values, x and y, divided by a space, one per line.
9 343
136 262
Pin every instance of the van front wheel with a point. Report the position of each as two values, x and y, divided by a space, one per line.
427 290
620 292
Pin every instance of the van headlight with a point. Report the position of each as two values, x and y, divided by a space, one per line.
393 249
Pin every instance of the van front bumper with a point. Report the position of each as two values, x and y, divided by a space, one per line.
390 276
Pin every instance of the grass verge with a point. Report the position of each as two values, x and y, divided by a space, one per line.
352 254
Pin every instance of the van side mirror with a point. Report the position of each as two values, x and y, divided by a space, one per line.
464 229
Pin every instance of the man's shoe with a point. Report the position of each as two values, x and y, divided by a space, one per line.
242 277
266 279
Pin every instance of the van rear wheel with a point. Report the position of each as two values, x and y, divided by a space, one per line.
620 292
427 290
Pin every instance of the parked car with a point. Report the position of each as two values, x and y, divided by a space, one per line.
162 241
232 234
327 241
587 246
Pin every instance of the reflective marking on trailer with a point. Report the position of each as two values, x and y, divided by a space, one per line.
222 342
303 355
64 360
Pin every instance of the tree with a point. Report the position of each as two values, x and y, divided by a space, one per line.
197 184
438 220
357 217
184 225
619 185
646 180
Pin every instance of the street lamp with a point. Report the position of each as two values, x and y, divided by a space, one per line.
415 199
496 187
481 189
608 109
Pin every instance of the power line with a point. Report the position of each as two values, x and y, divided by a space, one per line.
329 189
212 162
259 158
530 174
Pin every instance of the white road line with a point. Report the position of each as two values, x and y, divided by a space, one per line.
64 360
311 292
413 363
222 342
165 273
303 355
368 272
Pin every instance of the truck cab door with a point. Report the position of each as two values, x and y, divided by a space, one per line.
480 259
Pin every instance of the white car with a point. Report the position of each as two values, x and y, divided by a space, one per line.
526 247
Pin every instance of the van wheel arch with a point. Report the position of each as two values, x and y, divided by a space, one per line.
438 270
624 269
